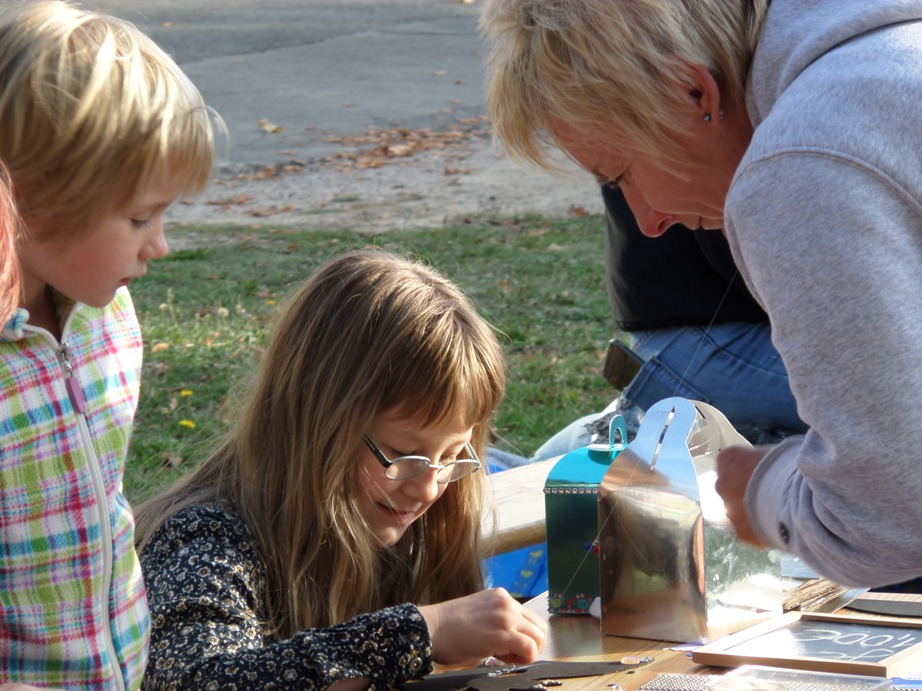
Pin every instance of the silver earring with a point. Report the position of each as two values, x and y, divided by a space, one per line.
720 114
707 117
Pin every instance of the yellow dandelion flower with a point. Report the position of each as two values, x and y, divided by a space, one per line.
188 424
186 392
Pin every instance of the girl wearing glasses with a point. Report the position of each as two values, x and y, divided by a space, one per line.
349 488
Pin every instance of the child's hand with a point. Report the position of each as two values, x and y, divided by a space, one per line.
485 624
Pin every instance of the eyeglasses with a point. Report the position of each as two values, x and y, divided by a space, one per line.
405 467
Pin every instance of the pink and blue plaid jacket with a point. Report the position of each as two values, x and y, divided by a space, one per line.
73 611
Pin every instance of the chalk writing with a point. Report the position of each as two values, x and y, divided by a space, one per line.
831 641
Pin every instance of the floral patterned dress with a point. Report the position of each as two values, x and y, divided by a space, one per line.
205 585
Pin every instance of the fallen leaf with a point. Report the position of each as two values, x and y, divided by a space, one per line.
159 347
262 212
172 460
399 150
237 200
269 127
576 211
265 173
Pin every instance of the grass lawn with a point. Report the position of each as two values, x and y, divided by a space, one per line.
205 314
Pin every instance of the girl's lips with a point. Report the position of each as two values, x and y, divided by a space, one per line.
399 516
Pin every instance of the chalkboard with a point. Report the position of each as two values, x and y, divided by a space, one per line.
881 647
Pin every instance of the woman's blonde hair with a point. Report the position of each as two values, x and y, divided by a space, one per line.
90 108
608 67
368 332
10 230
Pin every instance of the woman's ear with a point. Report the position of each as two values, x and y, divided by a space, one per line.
704 91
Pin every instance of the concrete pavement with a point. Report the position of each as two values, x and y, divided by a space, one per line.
322 71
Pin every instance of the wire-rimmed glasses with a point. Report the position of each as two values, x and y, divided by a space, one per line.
405 467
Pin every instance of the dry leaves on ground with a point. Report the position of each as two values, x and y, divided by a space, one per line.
378 147
371 150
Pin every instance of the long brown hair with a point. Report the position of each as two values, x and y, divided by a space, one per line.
367 333
10 230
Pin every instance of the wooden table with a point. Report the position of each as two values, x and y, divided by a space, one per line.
579 639
513 514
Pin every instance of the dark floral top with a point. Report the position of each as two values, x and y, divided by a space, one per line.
205 584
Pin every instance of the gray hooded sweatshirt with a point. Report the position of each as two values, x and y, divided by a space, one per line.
824 217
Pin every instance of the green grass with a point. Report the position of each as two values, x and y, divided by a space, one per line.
205 314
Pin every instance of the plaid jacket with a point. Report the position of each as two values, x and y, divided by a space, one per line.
73 611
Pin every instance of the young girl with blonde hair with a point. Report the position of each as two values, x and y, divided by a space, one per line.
349 487
101 131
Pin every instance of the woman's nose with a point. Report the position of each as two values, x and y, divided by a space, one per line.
651 222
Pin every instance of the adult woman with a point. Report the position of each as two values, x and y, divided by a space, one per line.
792 126
348 488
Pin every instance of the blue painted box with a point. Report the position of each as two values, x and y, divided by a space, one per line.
571 494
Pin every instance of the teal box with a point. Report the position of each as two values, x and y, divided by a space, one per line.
571 503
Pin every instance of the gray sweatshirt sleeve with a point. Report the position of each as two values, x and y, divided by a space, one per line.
832 248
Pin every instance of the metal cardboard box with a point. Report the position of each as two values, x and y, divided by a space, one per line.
671 567
571 502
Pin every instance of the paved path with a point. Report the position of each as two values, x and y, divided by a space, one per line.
361 113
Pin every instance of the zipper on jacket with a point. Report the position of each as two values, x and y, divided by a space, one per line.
78 400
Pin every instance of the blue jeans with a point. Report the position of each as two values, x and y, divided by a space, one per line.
733 366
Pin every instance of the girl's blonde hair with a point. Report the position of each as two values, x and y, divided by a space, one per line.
90 107
369 332
609 67
10 230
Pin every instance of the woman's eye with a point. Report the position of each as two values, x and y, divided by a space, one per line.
140 222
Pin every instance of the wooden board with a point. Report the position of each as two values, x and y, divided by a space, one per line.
882 647
513 515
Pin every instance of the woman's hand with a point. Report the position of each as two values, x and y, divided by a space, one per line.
735 466
485 624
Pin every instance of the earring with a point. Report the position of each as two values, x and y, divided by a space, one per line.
720 114
707 117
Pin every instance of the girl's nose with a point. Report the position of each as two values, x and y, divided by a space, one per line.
424 487
156 246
